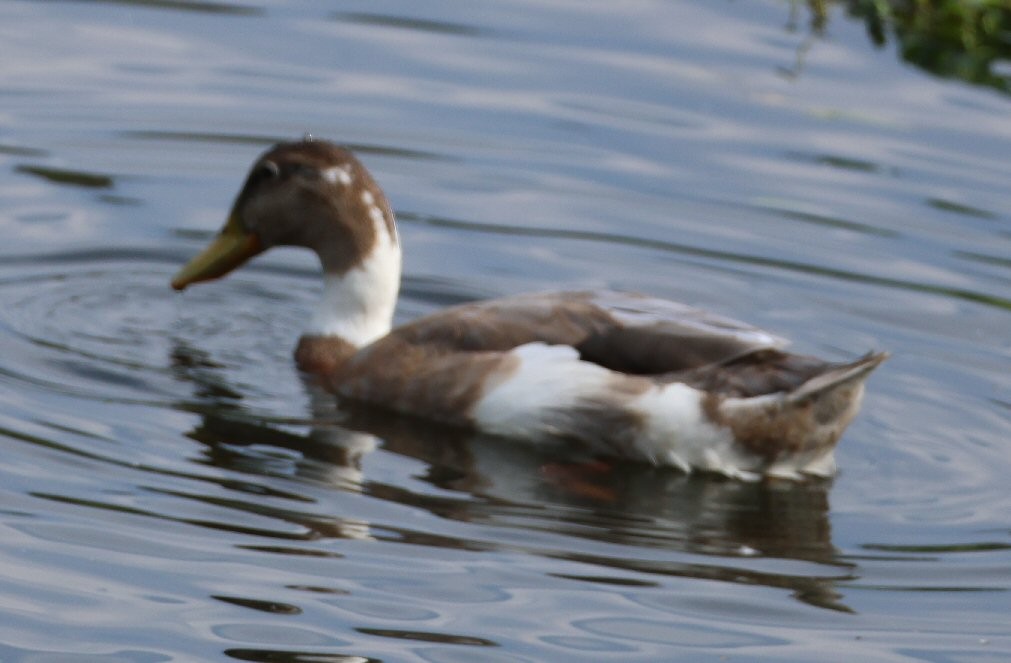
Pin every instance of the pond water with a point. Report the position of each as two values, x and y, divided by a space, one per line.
171 489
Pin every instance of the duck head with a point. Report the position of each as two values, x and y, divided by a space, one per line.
316 195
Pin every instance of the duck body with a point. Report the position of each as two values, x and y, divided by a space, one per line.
616 374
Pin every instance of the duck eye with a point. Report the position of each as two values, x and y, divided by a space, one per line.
268 170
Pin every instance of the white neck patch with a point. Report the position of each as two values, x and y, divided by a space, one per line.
357 306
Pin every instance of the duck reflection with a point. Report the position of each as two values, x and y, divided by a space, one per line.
718 528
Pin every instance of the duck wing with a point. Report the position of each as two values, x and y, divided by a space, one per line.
624 332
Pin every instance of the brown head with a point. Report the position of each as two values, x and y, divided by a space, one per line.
316 195
309 193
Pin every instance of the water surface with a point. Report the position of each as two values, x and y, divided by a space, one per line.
170 489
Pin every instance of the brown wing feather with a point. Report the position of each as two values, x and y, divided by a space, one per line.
761 372
506 323
624 332
439 365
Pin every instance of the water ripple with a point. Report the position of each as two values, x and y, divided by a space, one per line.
138 348
727 256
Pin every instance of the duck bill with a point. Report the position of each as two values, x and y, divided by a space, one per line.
233 246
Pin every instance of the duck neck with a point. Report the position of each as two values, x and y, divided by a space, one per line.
357 305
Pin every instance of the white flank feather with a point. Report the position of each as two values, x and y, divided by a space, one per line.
679 434
551 381
548 380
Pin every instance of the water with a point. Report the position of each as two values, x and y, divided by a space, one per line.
171 490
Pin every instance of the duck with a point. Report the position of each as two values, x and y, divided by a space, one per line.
614 374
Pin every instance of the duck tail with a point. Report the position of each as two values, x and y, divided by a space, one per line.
796 432
836 378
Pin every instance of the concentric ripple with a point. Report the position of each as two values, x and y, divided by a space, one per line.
105 324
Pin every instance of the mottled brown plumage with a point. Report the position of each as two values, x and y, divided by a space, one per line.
810 417
620 374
